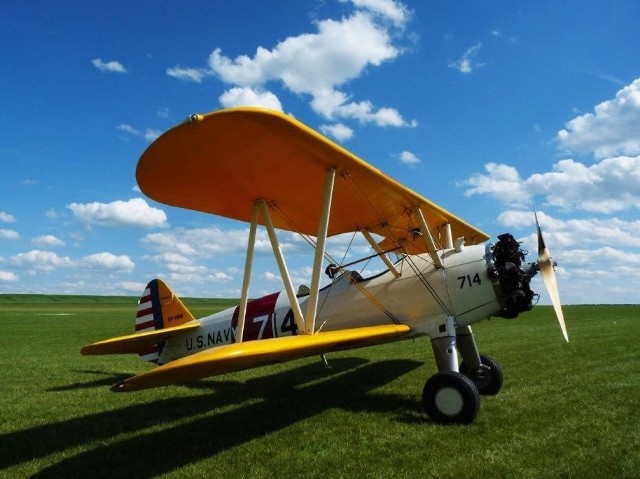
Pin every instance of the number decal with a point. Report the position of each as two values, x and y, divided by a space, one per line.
288 324
468 281
263 323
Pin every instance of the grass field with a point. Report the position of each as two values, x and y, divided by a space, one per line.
566 410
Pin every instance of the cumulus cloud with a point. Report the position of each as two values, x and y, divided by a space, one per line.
593 254
608 186
134 212
149 134
388 9
317 64
209 242
49 241
111 66
9 234
338 131
8 277
128 129
132 286
188 74
272 277
107 261
249 97
503 182
568 233
38 260
466 63
41 261
612 129
219 276
6 218
408 158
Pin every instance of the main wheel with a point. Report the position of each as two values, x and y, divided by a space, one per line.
489 380
451 398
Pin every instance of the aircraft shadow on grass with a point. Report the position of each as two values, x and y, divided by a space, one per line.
284 399
108 379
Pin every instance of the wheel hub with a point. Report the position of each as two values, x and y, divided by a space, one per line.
449 401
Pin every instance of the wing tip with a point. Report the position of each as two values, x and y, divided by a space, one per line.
120 387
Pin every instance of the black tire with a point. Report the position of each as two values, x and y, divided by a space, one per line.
451 398
490 382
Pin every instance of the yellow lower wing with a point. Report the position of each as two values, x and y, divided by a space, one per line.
136 343
238 356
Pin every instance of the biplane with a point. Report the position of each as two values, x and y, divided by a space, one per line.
270 170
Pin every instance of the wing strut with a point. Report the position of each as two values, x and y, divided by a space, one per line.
323 226
282 266
247 273
383 256
428 238
448 236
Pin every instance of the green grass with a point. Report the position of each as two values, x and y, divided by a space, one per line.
566 410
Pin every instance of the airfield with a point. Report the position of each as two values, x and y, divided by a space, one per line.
566 410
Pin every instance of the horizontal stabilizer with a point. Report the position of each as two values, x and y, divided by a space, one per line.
138 342
238 356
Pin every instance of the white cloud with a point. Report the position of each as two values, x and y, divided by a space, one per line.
396 12
338 131
132 286
134 212
188 74
613 128
608 186
503 182
316 64
249 97
45 241
408 158
272 277
8 277
210 242
111 66
568 233
38 260
6 218
337 53
598 258
128 129
151 134
107 261
466 64
219 276
9 234
163 113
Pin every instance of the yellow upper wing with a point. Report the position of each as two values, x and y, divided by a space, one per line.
223 162
249 354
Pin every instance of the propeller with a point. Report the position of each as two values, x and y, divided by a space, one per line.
545 265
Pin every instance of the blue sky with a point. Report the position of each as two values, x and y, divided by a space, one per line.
488 108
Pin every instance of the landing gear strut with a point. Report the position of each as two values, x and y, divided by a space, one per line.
450 397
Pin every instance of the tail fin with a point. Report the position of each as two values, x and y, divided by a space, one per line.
159 308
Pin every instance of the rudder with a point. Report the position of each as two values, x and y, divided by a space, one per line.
159 308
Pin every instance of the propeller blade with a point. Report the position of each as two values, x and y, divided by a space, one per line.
545 265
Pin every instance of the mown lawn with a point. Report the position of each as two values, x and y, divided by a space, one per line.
566 410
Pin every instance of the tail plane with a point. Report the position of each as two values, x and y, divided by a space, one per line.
160 316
